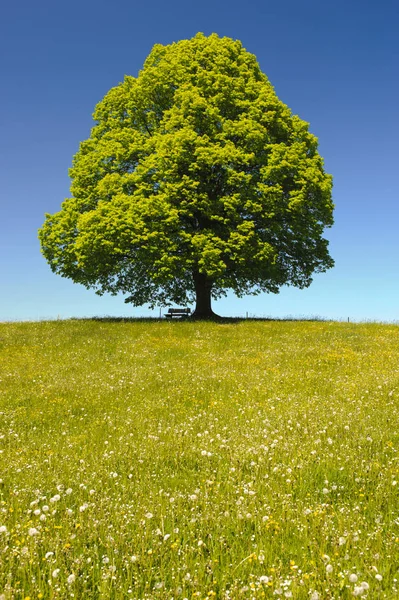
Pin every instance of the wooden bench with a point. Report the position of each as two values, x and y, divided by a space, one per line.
178 312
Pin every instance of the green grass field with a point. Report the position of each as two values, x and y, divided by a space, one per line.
199 460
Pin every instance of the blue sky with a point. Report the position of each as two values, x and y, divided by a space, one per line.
334 63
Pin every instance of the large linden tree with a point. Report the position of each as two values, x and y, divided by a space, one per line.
196 180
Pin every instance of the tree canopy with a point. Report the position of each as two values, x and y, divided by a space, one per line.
196 179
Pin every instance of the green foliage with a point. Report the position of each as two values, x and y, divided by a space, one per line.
195 166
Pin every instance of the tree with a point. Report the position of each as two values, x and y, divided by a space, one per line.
196 179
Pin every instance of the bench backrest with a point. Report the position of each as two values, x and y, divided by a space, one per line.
178 311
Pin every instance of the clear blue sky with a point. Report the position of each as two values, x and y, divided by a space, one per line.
335 63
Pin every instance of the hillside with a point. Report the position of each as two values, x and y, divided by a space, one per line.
185 459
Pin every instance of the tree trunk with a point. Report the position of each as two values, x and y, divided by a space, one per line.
203 288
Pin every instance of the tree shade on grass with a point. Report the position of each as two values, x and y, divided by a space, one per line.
196 179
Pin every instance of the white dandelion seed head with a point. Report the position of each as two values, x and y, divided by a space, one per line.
353 578
315 596
55 498
33 531
329 568
264 579
68 491
358 590
71 578
49 554
148 515
3 529
378 577
45 508
365 585
55 573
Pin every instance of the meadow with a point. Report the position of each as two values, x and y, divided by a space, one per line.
181 460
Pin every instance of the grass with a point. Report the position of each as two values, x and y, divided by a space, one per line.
199 460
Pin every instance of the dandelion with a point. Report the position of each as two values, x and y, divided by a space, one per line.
45 508
329 568
148 515
83 507
49 554
37 512
358 590
71 578
55 573
105 560
365 585
166 537
133 558
42 517
378 577
342 541
264 579
33 531
3 529
69 511
353 578
55 498
68 491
